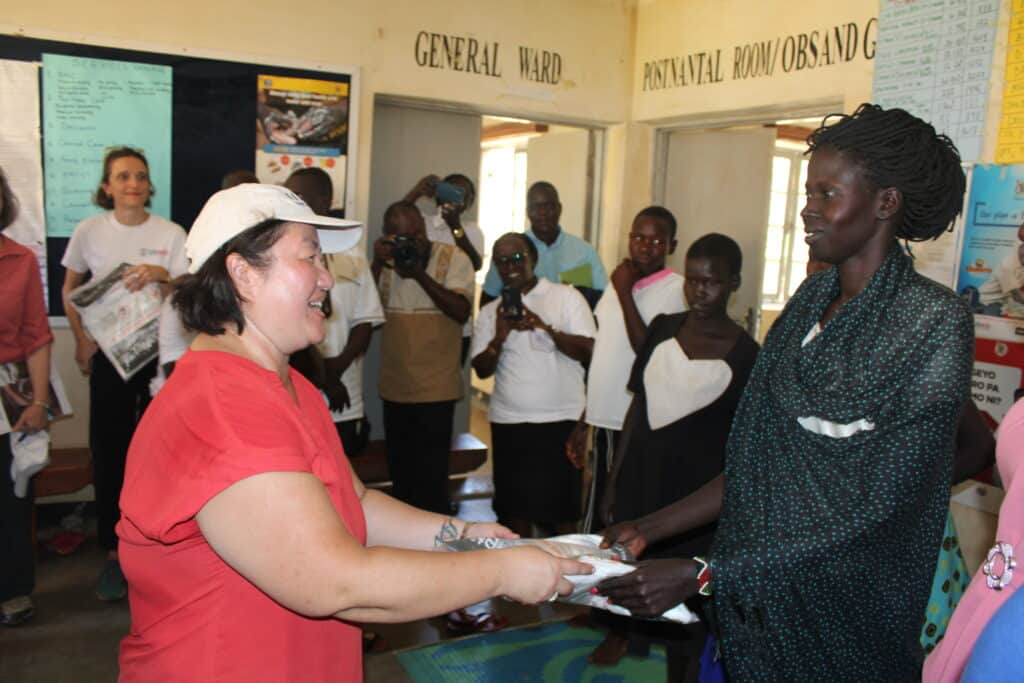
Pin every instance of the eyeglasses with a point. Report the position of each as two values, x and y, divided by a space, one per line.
637 238
510 259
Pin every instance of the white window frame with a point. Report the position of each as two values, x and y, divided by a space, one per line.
792 226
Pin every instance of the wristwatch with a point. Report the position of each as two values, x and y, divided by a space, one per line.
458 233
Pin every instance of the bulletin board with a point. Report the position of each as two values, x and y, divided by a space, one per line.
214 128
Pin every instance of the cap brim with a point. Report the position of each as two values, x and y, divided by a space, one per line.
335 234
334 240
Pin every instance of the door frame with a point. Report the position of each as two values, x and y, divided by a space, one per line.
597 142
738 118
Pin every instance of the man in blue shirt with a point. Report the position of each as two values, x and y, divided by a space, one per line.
563 258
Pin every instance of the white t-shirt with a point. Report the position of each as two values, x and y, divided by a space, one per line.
99 244
173 337
438 231
172 340
354 301
534 381
607 396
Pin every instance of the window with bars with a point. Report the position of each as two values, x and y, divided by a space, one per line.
785 253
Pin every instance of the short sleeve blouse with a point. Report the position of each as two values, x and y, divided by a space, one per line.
220 419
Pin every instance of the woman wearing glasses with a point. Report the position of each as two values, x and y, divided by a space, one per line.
534 340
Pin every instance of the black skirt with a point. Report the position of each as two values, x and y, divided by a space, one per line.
533 478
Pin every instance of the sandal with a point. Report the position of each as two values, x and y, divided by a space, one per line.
462 621
66 542
373 642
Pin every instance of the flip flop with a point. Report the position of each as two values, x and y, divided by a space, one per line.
461 621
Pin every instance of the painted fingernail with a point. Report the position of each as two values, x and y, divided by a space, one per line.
593 591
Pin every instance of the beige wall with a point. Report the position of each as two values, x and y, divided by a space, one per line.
379 38
560 158
72 431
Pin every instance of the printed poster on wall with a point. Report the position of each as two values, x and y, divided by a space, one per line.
303 123
937 259
998 363
991 274
89 107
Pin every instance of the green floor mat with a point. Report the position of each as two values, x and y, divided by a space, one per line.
553 652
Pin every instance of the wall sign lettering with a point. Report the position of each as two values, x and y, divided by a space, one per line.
796 52
457 53
469 55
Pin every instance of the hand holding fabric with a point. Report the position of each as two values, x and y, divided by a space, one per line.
654 588
628 534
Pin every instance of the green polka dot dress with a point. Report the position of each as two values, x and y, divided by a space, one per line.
837 482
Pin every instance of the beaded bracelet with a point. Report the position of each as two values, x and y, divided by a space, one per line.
703 577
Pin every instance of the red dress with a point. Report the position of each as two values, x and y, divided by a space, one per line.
220 419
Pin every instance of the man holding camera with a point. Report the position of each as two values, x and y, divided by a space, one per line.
452 197
425 288
444 204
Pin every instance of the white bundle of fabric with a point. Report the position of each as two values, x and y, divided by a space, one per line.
607 562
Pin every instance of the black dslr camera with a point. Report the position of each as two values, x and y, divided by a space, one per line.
405 252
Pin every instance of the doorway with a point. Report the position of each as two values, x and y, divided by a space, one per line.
503 156
719 176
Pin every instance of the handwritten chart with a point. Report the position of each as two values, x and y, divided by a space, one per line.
1010 149
89 106
934 59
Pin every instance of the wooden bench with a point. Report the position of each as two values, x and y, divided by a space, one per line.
70 469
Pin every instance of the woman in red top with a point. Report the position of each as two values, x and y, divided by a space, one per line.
247 541
24 337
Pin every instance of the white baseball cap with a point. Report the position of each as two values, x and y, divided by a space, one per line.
231 212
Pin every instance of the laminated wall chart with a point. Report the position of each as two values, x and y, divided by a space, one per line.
1010 149
934 59
89 106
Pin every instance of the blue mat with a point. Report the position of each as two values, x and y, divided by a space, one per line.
552 652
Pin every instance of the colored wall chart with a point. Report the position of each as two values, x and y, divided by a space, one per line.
1010 148
991 269
934 59
90 106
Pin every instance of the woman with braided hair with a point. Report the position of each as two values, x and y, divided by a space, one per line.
837 471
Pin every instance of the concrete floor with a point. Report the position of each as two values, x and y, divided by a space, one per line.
74 637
